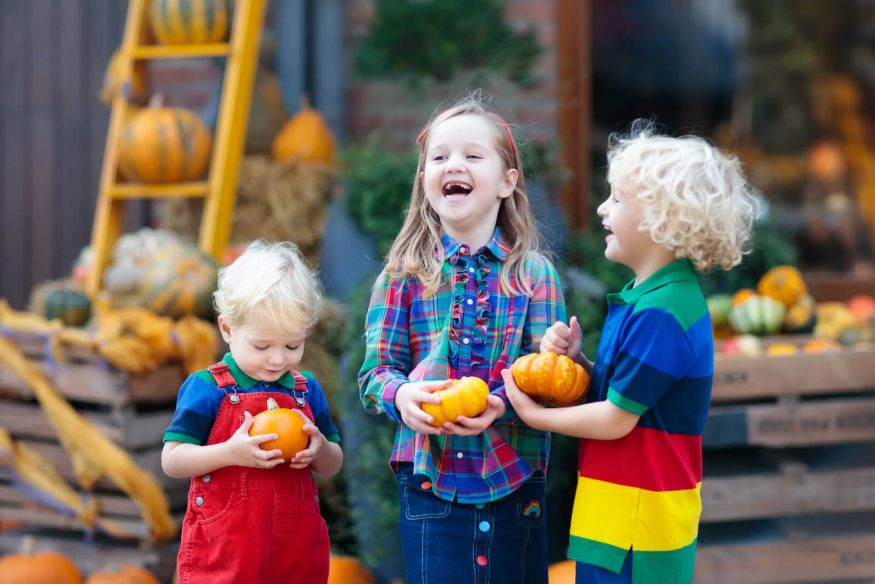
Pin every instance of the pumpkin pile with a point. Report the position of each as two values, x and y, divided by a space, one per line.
52 567
550 378
782 304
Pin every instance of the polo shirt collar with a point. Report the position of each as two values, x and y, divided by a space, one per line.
676 271
497 246
287 380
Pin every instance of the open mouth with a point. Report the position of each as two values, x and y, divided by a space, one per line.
456 189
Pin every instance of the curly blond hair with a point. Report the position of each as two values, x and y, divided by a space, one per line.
269 281
695 197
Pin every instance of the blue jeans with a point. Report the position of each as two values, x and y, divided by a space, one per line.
444 542
591 574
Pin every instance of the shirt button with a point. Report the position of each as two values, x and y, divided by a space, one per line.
479 505
199 501
482 561
459 455
206 478
471 270
470 302
466 340
484 526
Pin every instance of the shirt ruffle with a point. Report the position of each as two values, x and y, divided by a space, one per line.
478 334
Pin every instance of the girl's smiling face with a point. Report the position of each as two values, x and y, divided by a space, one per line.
465 178
262 350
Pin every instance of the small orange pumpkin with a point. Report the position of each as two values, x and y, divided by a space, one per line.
39 568
783 283
465 397
550 378
305 137
348 570
124 574
286 423
164 145
180 22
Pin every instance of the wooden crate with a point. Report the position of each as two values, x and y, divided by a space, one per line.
819 548
131 410
788 490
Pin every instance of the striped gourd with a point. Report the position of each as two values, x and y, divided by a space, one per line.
758 315
179 281
180 22
164 145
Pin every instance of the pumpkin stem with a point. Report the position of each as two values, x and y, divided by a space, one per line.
157 100
271 404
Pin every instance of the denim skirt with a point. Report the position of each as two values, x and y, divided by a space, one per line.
446 542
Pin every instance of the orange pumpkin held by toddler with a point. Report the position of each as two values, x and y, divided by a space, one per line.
550 378
284 422
465 397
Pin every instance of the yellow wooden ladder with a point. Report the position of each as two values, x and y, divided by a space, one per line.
219 188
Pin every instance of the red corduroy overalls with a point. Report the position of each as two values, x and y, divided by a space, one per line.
247 525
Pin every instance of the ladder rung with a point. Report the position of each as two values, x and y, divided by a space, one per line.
181 51
156 191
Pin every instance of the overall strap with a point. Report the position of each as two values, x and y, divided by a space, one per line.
300 381
222 374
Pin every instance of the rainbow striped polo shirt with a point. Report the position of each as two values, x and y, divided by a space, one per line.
642 492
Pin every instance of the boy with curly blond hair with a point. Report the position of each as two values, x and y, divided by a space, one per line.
676 205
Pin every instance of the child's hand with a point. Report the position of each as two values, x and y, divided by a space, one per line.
305 458
466 426
563 339
245 450
525 407
409 399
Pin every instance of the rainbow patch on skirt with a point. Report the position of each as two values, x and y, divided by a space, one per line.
533 509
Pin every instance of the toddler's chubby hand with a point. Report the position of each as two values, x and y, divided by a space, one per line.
409 399
245 450
563 339
305 457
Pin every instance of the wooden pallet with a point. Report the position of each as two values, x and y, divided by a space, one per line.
788 491
819 548
131 410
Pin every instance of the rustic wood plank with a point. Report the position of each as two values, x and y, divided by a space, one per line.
791 424
821 560
739 378
126 428
103 385
14 142
41 157
793 491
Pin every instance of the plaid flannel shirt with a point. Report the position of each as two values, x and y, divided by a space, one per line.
469 327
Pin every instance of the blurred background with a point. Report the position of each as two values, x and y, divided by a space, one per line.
324 156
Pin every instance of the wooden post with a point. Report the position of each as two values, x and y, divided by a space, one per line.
573 25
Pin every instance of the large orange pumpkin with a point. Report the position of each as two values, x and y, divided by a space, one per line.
550 378
286 423
124 574
305 138
348 570
179 22
164 145
465 397
39 568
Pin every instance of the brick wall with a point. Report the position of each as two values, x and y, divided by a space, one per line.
395 113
